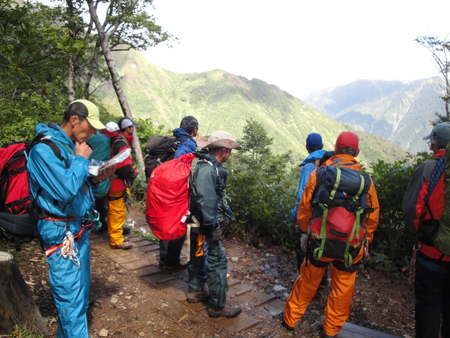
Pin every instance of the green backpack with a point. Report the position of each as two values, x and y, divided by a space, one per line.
441 239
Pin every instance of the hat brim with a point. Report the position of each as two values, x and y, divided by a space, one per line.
230 144
426 137
96 123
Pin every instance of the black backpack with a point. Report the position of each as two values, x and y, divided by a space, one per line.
339 209
158 150
18 212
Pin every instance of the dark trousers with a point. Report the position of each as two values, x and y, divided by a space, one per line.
432 288
100 206
169 251
209 267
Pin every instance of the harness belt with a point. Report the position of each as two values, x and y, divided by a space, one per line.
53 249
52 217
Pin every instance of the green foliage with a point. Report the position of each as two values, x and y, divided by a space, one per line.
24 332
147 130
259 191
392 243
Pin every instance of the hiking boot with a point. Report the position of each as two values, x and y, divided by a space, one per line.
182 264
286 326
227 311
125 245
197 297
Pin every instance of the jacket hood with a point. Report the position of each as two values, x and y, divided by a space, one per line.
180 133
204 154
315 155
56 133
129 138
110 134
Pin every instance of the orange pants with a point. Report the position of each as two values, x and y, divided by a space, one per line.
305 287
117 215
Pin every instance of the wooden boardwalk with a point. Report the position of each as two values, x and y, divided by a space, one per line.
143 260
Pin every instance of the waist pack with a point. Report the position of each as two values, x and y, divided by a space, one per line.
339 204
18 213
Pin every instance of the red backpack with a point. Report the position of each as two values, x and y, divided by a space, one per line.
168 198
18 213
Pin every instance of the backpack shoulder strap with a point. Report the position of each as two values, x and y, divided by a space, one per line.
435 177
48 141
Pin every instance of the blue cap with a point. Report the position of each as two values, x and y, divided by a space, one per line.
314 141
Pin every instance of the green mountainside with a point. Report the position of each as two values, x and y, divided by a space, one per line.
223 101
398 111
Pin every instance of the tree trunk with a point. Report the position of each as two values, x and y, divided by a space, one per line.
70 80
115 78
17 306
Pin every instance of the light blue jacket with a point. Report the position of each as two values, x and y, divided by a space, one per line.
309 164
62 191
186 147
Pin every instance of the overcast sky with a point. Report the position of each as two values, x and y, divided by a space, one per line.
302 46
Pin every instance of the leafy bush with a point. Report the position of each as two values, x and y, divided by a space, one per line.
260 191
392 243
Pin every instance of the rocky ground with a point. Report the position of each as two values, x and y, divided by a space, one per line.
123 305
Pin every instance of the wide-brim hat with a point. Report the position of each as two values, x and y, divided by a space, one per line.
218 139
88 110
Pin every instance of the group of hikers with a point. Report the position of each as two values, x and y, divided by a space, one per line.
336 210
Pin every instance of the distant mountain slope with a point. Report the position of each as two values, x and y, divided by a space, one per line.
398 111
220 100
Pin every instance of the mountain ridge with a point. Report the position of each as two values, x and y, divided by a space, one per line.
224 101
397 111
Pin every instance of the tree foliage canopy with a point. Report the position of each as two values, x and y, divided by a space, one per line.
440 51
51 55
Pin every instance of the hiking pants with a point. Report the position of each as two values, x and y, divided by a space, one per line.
100 206
117 215
305 287
169 251
432 289
70 284
210 268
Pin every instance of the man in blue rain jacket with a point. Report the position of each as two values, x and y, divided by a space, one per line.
64 193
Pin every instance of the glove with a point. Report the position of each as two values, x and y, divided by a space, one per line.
366 250
303 242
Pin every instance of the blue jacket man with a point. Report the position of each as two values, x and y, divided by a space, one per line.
186 133
169 251
314 147
64 192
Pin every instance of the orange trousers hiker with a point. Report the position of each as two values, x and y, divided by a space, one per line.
305 287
